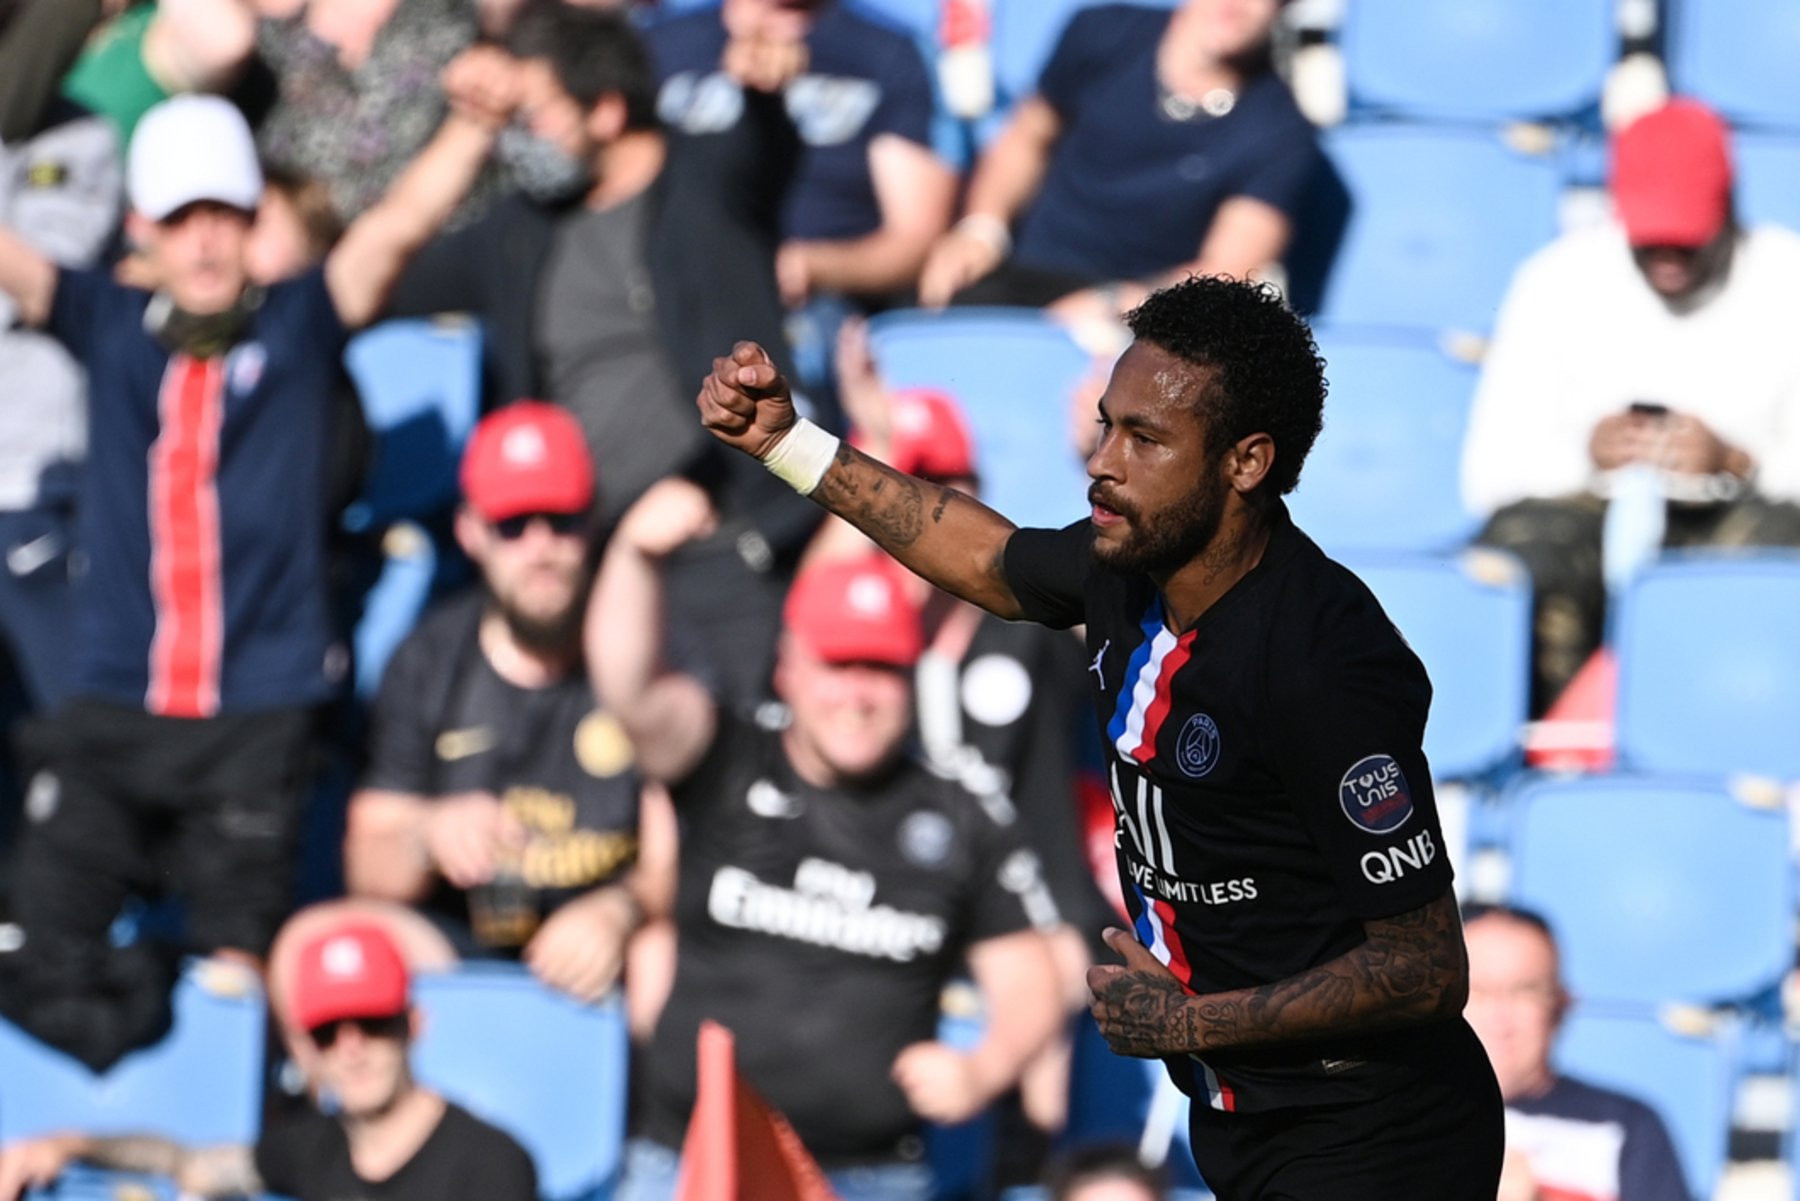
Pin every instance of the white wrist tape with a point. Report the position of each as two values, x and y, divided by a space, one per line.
801 458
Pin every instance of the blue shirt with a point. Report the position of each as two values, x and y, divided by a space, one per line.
864 79
1131 192
203 510
1595 1144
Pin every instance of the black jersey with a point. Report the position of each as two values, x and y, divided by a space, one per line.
1268 787
445 722
307 1157
819 927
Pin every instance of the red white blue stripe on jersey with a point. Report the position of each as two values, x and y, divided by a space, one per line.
187 583
1145 695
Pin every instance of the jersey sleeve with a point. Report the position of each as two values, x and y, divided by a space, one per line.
908 107
1007 892
1350 705
400 727
734 750
315 311
283 1151
1063 75
502 1171
1648 1167
80 308
1047 571
1285 175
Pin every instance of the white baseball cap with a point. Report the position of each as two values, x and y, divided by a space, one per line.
192 148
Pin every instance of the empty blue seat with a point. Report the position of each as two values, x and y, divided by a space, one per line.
1013 371
201 1084
1686 1078
1660 889
547 1070
1384 472
1437 221
1469 620
1738 55
420 383
1768 178
1709 665
1490 60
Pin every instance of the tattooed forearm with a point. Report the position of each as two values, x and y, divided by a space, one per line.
873 497
1410 970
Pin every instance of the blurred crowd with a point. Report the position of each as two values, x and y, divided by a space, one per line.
663 729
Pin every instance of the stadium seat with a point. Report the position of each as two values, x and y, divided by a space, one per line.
1660 889
391 607
1484 60
1434 222
1384 473
1113 1099
420 383
1709 666
1768 178
1013 371
1469 620
545 1069
201 1084
1687 1078
1738 55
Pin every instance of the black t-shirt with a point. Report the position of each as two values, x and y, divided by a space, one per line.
445 722
819 927
1269 789
307 1157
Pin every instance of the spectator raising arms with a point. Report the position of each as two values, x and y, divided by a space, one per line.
203 643
386 1137
1158 144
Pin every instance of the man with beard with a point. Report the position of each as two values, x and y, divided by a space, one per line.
500 804
1298 963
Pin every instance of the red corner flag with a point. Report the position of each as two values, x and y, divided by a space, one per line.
738 1148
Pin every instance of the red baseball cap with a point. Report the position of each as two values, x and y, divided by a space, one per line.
529 457
855 611
353 971
1671 176
931 435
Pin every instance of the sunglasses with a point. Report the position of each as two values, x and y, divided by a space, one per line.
325 1036
564 525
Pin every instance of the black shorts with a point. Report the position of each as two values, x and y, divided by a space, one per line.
1442 1140
125 802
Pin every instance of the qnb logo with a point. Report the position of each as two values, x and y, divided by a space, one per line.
1384 867
1374 795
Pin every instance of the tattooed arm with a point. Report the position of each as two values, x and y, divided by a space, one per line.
1410 970
955 542
223 1171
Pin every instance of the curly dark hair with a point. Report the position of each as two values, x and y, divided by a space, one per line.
1267 376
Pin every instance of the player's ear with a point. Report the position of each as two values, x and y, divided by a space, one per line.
1249 462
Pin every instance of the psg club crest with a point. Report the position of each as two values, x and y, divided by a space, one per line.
1375 796
1197 750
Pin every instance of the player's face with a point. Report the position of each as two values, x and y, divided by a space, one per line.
362 1063
1515 1000
1158 494
851 717
535 566
1231 28
198 253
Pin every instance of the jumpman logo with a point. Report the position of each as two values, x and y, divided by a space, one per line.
1095 666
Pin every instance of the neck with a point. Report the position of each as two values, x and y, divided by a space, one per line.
1187 65
626 167
1534 1085
1196 586
381 1143
520 665
813 767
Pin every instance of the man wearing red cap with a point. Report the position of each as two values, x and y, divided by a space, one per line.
387 1138
500 804
829 884
1654 351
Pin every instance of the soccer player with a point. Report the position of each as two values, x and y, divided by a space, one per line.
1298 962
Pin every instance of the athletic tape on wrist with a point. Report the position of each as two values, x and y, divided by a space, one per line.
801 458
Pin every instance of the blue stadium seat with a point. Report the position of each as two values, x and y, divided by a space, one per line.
1013 371
1768 178
200 1084
1686 1078
391 608
1487 60
1738 55
420 383
1437 221
1709 665
1384 473
543 1068
1661 889
1469 620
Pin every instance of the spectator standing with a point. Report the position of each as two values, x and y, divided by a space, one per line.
203 645
1653 347
499 799
828 885
387 1138
1564 1138
604 304
1158 144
